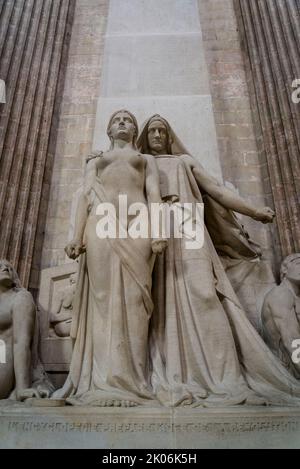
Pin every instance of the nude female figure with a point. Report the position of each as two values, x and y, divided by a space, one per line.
113 305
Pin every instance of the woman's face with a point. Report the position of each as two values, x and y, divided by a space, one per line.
157 137
122 127
6 274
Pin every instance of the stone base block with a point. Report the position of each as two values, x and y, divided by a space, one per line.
106 428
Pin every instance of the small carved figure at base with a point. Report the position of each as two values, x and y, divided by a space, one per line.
61 317
21 373
281 314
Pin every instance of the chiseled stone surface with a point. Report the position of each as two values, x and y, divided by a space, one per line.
280 315
169 107
76 123
241 156
69 427
55 352
148 16
33 44
140 65
271 34
21 373
159 66
235 141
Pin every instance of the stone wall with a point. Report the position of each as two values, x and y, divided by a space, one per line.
241 157
76 123
33 45
271 39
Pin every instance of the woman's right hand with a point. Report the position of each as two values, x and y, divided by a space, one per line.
74 249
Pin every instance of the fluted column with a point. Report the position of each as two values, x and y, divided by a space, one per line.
33 36
271 34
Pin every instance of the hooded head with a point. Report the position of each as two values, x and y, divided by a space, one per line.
156 134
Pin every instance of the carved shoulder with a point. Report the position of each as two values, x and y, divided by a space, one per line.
94 156
23 301
279 301
148 157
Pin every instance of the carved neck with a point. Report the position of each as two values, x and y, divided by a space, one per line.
122 144
4 288
161 152
293 287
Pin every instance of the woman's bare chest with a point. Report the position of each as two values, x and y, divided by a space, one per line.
6 304
120 161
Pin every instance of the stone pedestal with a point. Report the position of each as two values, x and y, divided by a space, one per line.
70 427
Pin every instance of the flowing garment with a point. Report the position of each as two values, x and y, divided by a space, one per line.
204 350
112 310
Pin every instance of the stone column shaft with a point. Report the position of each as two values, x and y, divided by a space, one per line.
33 34
271 33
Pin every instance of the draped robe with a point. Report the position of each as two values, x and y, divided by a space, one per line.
204 350
112 310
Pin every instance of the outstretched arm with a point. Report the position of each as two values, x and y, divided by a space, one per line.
226 197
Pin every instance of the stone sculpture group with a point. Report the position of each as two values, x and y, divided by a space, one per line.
152 322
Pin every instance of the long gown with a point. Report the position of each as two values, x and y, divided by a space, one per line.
112 310
204 350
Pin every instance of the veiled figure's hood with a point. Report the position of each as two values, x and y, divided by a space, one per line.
174 145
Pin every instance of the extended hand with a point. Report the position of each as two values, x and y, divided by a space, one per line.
74 249
265 215
159 245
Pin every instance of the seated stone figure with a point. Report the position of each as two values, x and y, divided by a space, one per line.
21 375
61 317
281 314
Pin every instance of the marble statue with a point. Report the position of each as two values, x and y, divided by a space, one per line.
113 304
281 314
61 316
21 374
204 351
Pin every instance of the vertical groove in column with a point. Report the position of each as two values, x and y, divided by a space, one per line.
33 196
17 132
11 67
282 120
46 189
10 37
290 33
30 62
33 135
12 157
265 119
284 38
293 8
6 12
7 74
270 38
